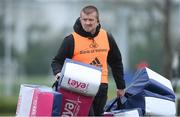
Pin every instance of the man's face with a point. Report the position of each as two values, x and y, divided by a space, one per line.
89 22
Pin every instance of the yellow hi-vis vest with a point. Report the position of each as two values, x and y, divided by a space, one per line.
92 51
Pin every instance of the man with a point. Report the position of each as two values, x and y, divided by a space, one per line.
91 44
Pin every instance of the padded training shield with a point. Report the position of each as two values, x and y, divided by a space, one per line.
151 81
74 104
36 100
152 93
80 78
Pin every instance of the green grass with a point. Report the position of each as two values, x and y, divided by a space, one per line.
8 106
111 89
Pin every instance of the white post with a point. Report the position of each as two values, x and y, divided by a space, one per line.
8 48
123 33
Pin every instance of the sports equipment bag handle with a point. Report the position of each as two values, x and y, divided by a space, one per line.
120 103
56 83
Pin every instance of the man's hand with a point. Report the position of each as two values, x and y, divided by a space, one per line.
57 76
120 92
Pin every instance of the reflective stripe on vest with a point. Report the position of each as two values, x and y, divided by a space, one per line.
93 51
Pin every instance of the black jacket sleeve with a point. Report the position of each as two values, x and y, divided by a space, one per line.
115 62
65 51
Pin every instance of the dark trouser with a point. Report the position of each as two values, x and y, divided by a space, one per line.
99 102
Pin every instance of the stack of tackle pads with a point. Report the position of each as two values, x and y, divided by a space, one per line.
78 83
75 90
37 100
150 92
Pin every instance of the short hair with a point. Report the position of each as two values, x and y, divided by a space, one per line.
89 9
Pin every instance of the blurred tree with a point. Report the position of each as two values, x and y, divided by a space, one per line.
40 51
146 38
156 48
167 42
34 60
1 37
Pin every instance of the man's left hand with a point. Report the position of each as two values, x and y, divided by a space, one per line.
120 92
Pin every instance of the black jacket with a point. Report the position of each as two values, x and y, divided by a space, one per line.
114 58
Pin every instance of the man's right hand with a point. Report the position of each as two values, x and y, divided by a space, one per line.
57 76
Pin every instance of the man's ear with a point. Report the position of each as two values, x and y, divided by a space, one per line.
98 20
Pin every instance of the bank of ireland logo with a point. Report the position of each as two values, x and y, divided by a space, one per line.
96 62
93 45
